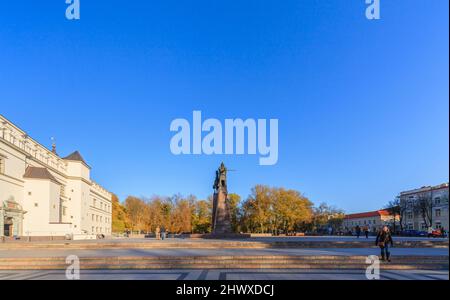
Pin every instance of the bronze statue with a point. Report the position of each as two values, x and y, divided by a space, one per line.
221 220
221 178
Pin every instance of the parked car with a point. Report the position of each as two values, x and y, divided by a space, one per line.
436 233
411 232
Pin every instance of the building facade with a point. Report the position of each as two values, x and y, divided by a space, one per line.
425 207
373 220
43 194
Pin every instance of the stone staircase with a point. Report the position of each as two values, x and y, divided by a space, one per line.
214 244
227 262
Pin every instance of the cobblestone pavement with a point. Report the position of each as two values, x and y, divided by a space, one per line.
225 274
216 252
371 239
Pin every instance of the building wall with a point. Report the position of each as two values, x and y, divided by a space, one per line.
51 208
412 219
99 212
11 181
41 206
374 223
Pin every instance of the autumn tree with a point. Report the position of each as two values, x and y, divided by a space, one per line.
137 213
181 219
258 209
233 201
201 218
155 213
325 216
119 216
270 209
290 208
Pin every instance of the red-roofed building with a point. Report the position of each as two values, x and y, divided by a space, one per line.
373 220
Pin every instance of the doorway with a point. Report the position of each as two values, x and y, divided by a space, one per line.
8 227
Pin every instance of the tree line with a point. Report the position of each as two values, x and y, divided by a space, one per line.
265 210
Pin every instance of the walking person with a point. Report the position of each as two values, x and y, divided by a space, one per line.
163 233
366 231
430 231
158 233
358 231
384 238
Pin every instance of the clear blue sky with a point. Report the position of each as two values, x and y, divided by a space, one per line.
362 105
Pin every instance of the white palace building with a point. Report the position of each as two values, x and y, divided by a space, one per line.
45 195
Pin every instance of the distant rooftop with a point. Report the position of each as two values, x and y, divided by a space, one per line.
376 213
76 156
39 173
426 188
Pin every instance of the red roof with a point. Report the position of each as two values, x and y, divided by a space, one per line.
377 213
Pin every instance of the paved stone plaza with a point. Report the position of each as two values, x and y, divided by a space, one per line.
371 239
265 258
225 274
220 252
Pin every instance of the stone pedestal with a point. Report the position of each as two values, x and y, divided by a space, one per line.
221 223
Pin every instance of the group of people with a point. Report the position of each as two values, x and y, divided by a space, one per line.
160 233
365 230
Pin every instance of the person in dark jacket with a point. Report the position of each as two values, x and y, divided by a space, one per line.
366 231
163 233
384 238
358 231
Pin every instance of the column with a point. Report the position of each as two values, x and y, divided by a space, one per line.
17 225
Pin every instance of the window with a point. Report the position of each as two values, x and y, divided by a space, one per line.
438 212
410 215
93 216
95 203
64 209
437 200
424 226
35 204
96 218
2 165
29 193
438 225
